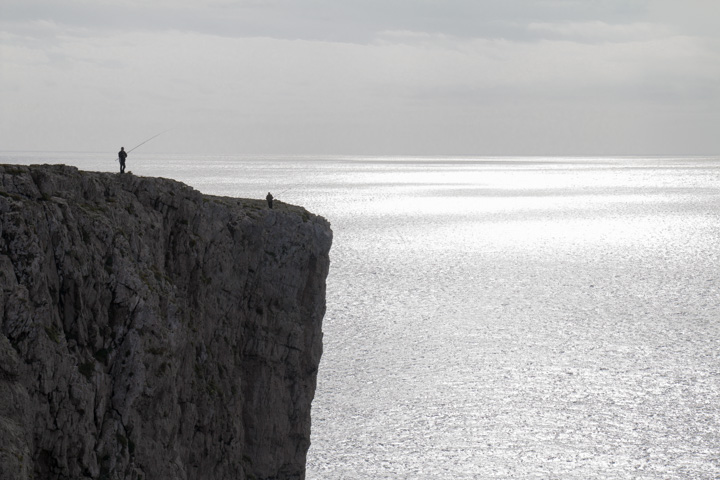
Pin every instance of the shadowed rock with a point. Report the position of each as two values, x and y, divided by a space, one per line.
152 332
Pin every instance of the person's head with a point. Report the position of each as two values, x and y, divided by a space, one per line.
122 148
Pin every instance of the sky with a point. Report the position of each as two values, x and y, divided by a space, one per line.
368 77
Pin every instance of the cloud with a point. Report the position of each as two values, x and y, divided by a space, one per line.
343 78
597 31
346 21
631 60
692 17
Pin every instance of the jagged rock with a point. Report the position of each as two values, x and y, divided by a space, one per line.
152 332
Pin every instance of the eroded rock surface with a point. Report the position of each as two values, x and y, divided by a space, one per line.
152 332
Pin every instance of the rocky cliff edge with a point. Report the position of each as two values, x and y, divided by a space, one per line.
152 332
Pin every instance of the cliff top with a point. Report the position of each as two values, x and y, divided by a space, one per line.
68 183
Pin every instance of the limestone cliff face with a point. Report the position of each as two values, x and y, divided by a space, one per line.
152 332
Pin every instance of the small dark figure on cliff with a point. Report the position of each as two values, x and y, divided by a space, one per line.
269 199
122 155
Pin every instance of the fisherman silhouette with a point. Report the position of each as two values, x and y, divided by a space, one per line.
122 155
269 199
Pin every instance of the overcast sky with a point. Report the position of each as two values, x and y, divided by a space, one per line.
475 77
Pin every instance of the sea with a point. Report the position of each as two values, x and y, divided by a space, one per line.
500 317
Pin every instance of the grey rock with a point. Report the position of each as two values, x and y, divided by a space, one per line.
152 332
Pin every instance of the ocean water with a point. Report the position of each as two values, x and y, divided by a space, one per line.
501 318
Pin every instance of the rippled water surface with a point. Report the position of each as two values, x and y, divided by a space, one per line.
502 317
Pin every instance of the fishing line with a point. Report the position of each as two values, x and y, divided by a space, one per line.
292 187
154 136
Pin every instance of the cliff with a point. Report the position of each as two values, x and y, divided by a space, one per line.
152 332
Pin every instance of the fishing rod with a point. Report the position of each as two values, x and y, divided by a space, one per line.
291 187
143 143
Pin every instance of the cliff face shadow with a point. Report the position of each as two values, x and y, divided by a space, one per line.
149 331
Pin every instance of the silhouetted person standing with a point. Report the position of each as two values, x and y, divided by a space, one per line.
122 155
269 199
